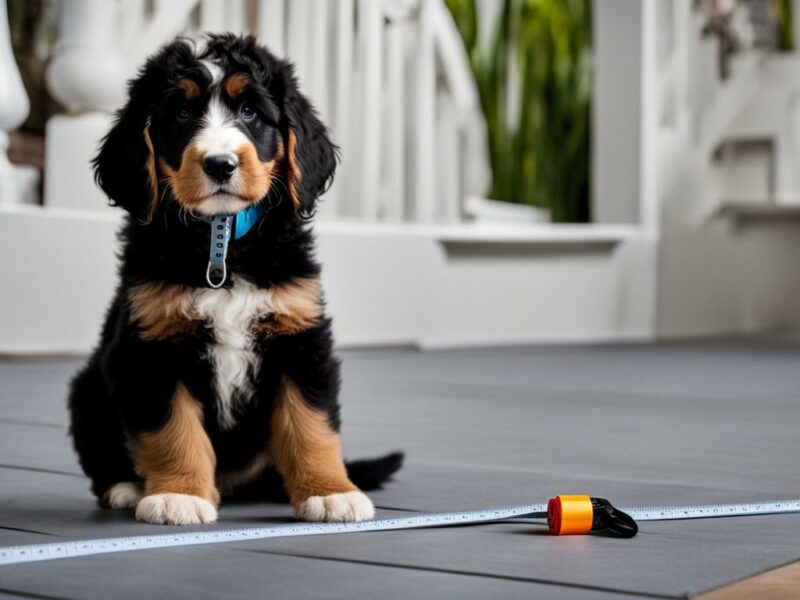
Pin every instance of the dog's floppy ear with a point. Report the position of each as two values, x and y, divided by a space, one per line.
125 166
310 153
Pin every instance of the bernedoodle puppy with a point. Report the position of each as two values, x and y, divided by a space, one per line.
215 373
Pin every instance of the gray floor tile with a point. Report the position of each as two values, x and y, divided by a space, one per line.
199 573
639 424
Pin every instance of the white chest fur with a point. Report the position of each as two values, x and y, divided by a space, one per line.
162 311
230 314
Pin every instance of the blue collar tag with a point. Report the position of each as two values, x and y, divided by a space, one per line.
221 227
246 218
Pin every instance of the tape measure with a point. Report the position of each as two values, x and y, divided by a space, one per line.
578 514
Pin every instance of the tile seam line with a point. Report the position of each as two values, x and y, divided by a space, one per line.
41 470
32 595
552 390
31 423
748 577
20 529
587 587
450 464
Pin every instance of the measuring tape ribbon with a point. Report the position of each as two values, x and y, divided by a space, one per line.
10 555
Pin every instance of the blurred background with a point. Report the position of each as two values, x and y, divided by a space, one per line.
514 171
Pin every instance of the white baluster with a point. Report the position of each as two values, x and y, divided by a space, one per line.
86 73
297 38
398 31
460 123
369 91
272 25
132 17
318 59
235 17
449 158
212 15
88 77
682 22
341 105
423 187
15 182
319 85
168 19
394 123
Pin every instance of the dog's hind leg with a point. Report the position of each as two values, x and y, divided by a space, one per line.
99 440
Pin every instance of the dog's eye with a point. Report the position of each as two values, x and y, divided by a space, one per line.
184 114
247 112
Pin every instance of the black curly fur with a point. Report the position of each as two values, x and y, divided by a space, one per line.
126 386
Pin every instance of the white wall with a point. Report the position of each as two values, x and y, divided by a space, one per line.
58 277
722 274
730 231
616 111
385 284
415 288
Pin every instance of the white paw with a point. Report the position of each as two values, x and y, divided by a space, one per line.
175 509
350 506
124 495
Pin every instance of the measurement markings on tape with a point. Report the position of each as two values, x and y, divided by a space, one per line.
709 511
10 555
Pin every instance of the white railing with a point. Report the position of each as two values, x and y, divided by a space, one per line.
390 77
740 129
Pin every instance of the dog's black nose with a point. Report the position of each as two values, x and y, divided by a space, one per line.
219 167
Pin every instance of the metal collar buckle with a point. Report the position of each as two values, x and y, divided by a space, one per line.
217 270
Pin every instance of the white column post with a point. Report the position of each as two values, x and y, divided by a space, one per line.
617 110
86 73
15 182
649 142
88 77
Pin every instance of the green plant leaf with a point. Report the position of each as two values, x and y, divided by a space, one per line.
540 155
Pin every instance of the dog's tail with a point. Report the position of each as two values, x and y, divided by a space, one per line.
369 474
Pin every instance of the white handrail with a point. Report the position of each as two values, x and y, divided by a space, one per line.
378 72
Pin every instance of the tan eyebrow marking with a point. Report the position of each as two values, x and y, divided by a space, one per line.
189 88
236 83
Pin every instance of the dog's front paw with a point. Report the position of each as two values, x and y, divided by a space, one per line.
347 506
175 509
